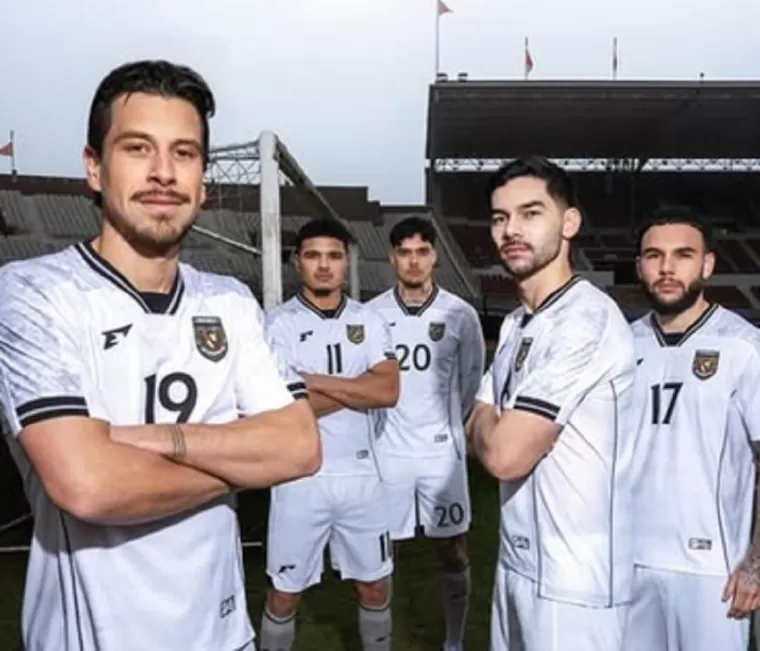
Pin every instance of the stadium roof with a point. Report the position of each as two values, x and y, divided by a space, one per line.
586 119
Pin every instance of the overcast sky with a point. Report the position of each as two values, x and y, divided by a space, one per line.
343 82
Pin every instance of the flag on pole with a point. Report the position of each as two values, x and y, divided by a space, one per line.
442 10
614 57
7 150
528 59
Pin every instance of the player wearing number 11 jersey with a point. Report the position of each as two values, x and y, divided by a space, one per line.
421 449
343 351
122 377
698 402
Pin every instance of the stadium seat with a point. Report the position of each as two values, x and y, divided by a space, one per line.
628 297
728 296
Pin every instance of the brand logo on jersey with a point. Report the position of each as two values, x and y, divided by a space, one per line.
305 335
355 333
436 331
210 337
522 352
705 363
113 337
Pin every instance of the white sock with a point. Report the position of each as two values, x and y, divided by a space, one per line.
277 633
375 628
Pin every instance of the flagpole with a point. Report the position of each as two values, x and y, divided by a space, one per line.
526 54
614 57
437 38
13 152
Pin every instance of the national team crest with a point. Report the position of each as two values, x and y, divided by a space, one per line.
705 363
210 337
436 331
522 352
355 333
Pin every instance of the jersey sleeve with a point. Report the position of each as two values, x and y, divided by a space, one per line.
485 390
281 339
260 384
571 366
41 371
472 351
378 339
748 393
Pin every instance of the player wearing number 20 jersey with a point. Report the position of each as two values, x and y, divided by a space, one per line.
77 339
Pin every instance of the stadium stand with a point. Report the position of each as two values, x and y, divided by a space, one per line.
630 147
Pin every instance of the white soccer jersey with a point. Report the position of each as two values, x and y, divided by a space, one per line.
345 342
567 526
698 404
441 352
76 338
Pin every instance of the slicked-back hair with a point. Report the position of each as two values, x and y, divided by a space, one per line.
559 185
410 227
323 228
152 78
673 214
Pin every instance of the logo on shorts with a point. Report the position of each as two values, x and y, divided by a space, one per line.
522 352
436 331
705 363
700 544
355 333
210 337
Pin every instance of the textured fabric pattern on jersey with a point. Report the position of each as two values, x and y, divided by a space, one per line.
441 353
698 406
567 526
76 339
345 344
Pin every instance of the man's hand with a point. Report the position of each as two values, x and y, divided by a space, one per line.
743 589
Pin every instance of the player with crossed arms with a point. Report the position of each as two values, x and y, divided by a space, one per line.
698 398
553 423
343 350
421 450
136 543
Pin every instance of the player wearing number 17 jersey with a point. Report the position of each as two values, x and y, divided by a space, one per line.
122 376
421 450
343 351
698 401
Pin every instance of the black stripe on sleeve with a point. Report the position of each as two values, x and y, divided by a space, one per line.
390 355
298 390
536 406
36 411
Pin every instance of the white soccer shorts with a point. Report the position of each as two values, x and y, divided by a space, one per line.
676 611
431 493
349 513
522 621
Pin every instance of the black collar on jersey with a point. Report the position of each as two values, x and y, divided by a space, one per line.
148 301
415 310
666 339
323 314
550 300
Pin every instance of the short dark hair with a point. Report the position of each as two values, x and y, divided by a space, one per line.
409 227
559 185
153 78
673 214
323 228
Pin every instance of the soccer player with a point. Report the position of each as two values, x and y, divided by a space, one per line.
552 422
421 452
343 350
697 576
136 543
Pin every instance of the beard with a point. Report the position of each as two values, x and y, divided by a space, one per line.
542 258
689 297
322 292
156 240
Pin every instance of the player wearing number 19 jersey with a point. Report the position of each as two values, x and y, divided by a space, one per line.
122 378
698 403
421 450
343 351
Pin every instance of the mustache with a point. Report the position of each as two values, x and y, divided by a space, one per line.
508 243
173 195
